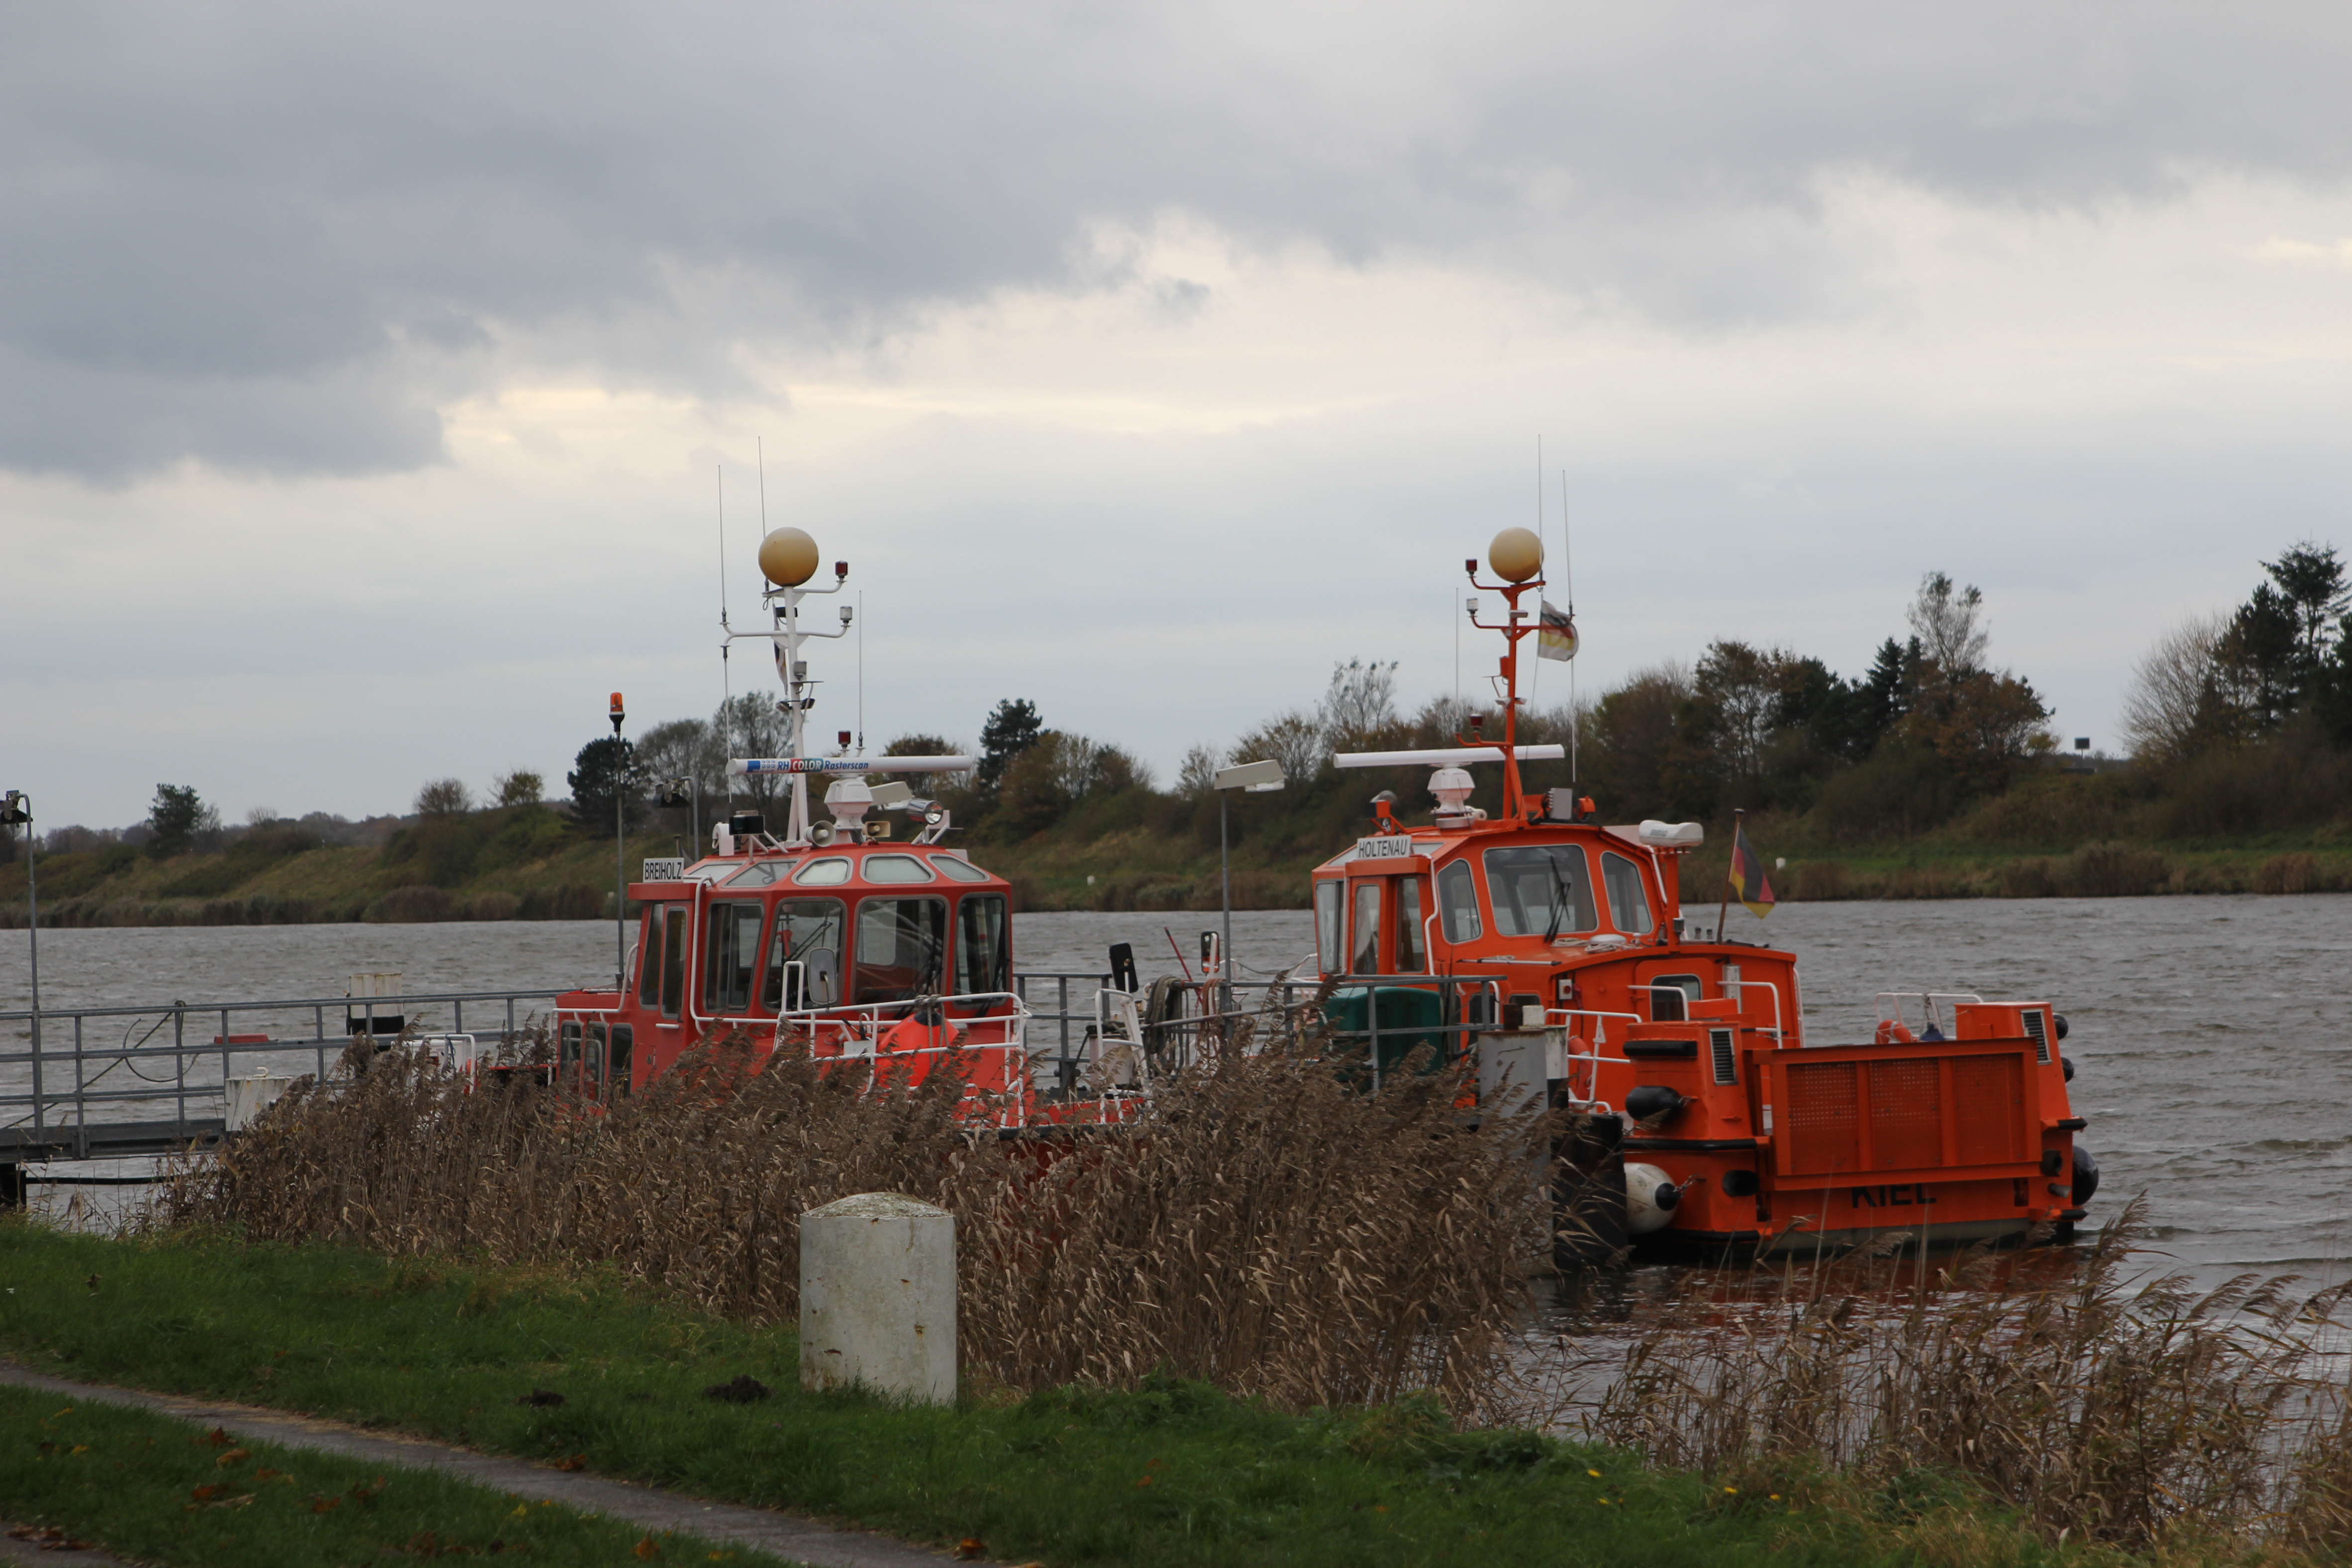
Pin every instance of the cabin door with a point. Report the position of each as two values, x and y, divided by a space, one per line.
1388 925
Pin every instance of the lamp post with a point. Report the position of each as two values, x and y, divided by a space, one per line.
16 809
1257 778
620 839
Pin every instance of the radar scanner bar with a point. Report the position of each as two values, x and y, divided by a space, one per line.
1446 756
741 765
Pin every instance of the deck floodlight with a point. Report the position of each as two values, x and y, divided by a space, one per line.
14 810
1255 776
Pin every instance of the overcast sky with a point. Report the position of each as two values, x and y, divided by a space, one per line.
366 377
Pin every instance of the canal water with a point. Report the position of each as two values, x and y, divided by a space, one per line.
2208 1032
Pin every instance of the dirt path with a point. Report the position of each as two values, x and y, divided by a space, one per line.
39 1547
730 1524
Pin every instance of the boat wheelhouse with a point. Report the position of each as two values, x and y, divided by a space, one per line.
832 936
1552 946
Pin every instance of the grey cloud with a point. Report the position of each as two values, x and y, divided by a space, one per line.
272 236
108 424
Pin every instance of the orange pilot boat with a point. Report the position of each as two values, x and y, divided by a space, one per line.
831 935
1536 955
1550 945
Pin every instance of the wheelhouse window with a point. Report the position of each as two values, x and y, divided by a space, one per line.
804 955
1364 952
959 870
983 956
901 949
1670 997
1540 889
649 951
673 964
1457 902
732 959
830 872
1413 956
1629 906
1327 906
894 868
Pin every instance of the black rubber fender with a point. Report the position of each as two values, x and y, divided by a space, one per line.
1653 1102
2086 1175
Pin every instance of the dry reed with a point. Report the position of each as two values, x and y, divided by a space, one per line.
1262 1226
2102 1409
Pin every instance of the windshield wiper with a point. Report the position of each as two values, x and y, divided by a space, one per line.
1560 906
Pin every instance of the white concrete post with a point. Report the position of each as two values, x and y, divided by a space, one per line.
879 1297
246 1098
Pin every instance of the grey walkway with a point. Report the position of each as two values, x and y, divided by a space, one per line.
722 1523
14 1549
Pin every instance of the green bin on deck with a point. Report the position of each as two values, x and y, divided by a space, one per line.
1404 1012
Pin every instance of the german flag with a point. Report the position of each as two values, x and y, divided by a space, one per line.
1556 632
1748 883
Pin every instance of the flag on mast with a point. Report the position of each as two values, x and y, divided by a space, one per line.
1748 883
1556 632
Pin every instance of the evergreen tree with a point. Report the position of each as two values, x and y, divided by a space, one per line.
2311 581
1012 728
607 767
175 820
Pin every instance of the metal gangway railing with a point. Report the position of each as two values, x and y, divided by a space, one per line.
95 1083
105 1083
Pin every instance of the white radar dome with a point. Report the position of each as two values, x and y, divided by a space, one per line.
1517 554
788 557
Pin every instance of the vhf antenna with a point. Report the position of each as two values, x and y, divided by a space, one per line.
1568 573
726 674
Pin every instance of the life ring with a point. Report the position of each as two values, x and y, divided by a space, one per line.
1579 1046
1890 1033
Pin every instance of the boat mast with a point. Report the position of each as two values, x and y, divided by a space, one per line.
794 671
1517 556
788 559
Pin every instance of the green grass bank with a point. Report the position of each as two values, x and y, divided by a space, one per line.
1174 1473
2054 840
157 1489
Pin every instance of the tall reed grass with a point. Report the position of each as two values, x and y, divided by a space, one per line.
2102 1406
1262 1224
1266 1227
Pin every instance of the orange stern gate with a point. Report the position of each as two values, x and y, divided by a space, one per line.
1954 1127
1961 1111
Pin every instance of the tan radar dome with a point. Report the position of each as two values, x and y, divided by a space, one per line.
1515 555
788 557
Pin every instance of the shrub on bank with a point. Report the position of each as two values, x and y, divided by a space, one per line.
2111 871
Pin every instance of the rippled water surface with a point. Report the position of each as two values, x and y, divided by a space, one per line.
2207 1030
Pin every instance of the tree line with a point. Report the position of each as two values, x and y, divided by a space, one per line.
2246 716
